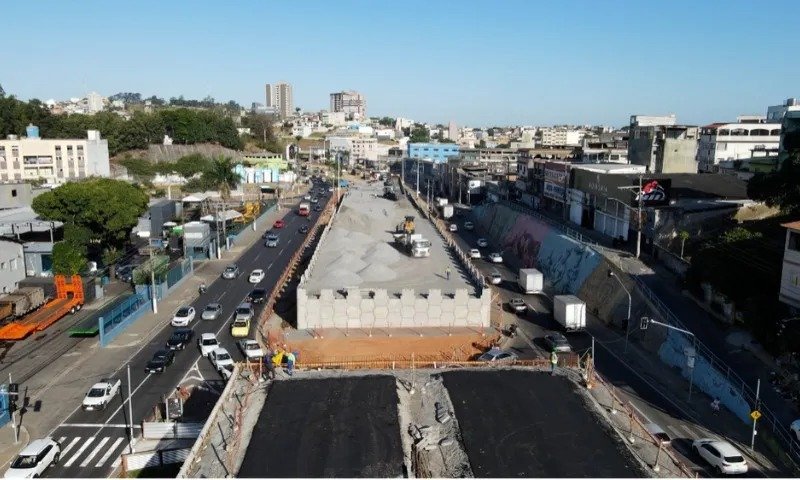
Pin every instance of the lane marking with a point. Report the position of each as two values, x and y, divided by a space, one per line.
69 447
281 252
270 265
94 452
80 451
108 454
95 425
61 440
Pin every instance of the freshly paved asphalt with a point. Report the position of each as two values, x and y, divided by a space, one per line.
331 427
87 436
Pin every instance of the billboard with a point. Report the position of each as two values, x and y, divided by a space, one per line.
555 179
654 192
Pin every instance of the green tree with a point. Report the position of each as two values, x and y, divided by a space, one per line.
387 121
779 189
221 175
683 235
107 208
68 258
419 134
110 257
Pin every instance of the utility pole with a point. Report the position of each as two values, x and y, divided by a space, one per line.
153 280
14 412
755 418
417 184
639 229
130 408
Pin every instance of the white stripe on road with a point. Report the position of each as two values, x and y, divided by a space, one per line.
95 425
94 452
80 451
61 440
69 447
108 454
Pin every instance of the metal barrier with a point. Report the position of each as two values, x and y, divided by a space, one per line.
5 416
153 459
162 430
120 317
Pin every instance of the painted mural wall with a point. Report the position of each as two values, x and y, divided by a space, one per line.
565 263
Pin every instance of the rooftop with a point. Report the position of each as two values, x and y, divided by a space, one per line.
359 250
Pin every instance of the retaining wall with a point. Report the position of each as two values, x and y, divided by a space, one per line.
376 308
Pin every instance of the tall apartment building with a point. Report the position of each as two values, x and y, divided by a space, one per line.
279 99
661 146
561 137
775 113
353 104
733 141
54 160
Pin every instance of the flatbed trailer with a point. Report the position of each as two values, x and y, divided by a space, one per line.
69 299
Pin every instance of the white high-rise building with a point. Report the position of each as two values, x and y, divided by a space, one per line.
352 103
94 102
279 99
452 131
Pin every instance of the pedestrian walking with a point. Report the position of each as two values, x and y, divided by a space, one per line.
270 366
553 362
447 272
715 406
290 358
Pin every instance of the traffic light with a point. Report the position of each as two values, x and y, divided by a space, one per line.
13 390
645 322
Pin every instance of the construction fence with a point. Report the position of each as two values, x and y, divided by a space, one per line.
5 416
115 321
153 459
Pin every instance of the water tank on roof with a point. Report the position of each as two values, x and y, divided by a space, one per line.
32 131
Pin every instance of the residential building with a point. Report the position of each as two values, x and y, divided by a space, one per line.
775 113
761 160
452 131
301 131
95 102
335 119
790 136
601 152
385 133
12 265
734 141
652 120
356 146
352 103
54 160
15 195
401 122
437 152
663 148
279 99
790 275
527 140
561 137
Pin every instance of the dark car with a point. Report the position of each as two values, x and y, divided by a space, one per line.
266 234
258 295
317 208
160 361
180 338
304 229
557 342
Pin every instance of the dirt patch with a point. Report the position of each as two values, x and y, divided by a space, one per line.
358 346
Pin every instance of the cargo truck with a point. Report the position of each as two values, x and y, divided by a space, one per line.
415 244
69 299
304 209
20 302
530 281
447 211
570 312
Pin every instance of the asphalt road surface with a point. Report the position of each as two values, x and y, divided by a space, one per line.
528 424
93 441
331 427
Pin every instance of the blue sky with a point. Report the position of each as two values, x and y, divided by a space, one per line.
478 63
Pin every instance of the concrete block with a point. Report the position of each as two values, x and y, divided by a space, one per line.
353 296
381 297
421 319
435 314
367 305
381 312
394 320
340 314
407 296
368 320
407 315
446 319
326 295
420 305
461 313
448 305
353 313
435 296
326 314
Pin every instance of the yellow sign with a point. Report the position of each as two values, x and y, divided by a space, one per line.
755 414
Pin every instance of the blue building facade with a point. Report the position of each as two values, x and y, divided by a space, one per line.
437 152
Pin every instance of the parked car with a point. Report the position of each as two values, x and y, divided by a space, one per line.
468 226
220 358
250 349
231 272
34 459
557 342
272 241
495 278
256 276
314 199
180 338
482 242
474 253
317 208
496 257
517 304
125 273
453 227
658 433
211 312
101 393
279 224
258 295
207 343
183 317
498 355
723 457
304 229
160 361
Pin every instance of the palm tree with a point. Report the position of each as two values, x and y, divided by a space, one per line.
683 235
222 176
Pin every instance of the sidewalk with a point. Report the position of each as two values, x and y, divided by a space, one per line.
61 391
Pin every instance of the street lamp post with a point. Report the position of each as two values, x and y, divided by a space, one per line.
690 358
639 217
628 319
153 281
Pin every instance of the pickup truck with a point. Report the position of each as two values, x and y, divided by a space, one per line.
101 394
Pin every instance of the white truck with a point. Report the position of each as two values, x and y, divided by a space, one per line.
447 211
570 312
441 201
100 395
415 244
530 281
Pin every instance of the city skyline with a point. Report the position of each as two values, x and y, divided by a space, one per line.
529 63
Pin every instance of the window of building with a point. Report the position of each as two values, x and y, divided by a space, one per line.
15 151
13 192
2 265
13 264
2 151
794 241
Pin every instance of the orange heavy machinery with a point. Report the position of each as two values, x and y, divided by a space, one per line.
69 299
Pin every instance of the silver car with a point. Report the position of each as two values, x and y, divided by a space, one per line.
557 342
211 312
231 272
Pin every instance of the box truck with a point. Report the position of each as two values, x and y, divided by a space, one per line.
447 211
570 312
530 280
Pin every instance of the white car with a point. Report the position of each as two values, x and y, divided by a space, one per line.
468 226
483 243
250 349
34 459
474 253
272 241
256 276
722 456
496 257
208 343
495 278
220 358
101 393
498 355
795 429
183 317
453 227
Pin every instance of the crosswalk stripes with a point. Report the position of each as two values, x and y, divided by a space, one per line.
86 450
